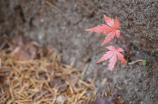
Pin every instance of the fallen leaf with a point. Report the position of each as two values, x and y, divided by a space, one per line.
26 50
104 100
58 82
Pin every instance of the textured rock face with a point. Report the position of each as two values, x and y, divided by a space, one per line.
63 23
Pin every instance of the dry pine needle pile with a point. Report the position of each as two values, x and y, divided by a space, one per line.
30 74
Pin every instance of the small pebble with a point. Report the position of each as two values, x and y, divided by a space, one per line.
59 99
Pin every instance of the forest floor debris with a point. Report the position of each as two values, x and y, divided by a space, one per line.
31 74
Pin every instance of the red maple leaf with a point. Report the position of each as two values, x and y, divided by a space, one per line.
112 55
111 28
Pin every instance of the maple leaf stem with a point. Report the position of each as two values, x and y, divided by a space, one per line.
123 40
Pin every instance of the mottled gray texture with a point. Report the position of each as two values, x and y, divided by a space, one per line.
65 29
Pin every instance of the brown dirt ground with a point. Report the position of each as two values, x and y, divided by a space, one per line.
63 23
